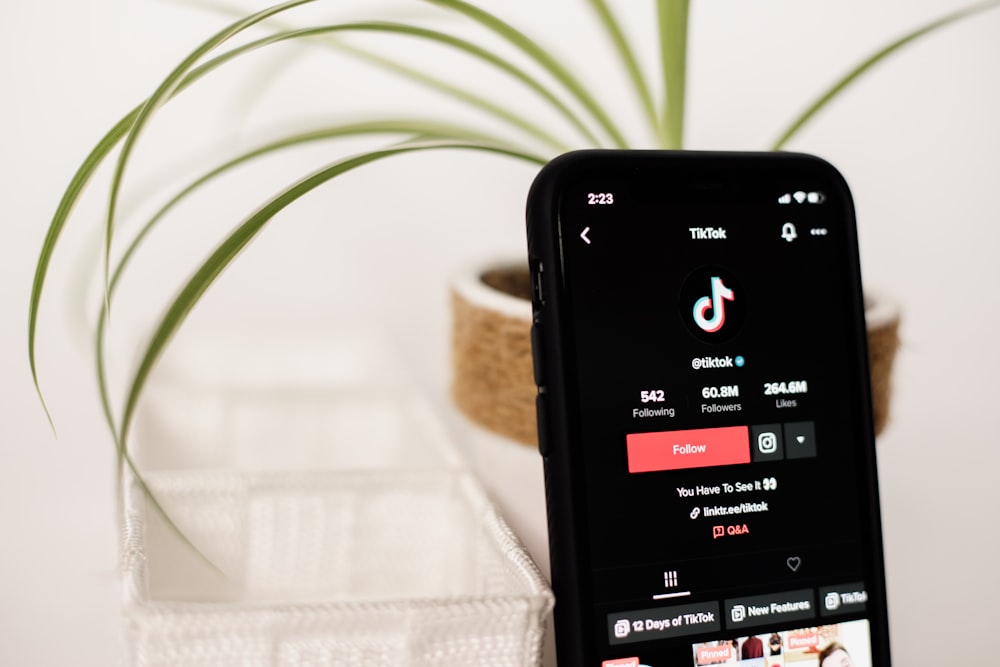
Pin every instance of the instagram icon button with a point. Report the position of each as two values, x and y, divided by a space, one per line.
766 442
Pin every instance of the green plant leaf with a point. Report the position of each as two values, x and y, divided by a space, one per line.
166 89
540 56
456 92
632 67
444 87
511 118
226 252
77 185
873 60
164 92
65 207
127 127
98 155
415 126
500 63
672 16
230 247
167 519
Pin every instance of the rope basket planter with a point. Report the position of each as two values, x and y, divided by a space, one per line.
491 350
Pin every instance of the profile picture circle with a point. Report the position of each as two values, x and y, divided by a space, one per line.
713 304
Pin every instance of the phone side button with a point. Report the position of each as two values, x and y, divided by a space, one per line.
543 431
536 354
535 269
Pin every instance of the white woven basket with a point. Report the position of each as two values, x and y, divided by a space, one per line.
401 568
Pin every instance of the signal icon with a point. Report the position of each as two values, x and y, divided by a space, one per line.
802 197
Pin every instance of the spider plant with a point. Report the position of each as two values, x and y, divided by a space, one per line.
585 120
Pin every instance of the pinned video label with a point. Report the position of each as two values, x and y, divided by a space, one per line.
621 662
714 654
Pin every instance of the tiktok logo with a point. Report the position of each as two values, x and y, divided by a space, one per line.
720 293
715 317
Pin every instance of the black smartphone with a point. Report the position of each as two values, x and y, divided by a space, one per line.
704 411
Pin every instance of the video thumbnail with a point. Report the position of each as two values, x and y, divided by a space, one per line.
840 645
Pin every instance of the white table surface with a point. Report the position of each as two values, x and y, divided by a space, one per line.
918 141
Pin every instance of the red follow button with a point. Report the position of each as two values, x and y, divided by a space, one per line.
697 448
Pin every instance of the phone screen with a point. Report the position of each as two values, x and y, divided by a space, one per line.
715 372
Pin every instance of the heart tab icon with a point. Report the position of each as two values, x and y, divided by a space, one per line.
794 562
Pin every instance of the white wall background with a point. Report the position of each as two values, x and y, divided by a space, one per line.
917 139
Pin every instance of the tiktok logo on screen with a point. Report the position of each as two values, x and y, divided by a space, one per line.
712 304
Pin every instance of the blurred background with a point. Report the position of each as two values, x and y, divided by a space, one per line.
917 139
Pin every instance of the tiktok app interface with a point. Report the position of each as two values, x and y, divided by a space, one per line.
730 501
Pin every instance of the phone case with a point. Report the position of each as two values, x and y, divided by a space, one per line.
553 374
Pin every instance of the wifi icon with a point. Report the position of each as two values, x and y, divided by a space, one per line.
799 196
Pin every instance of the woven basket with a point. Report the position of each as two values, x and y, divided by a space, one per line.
379 569
349 529
491 342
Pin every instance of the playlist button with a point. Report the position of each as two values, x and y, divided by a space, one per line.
767 609
844 599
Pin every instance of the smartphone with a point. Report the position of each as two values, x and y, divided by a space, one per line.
704 411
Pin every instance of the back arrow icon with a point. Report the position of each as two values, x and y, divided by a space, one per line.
583 235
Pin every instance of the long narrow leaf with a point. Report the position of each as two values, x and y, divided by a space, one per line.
162 512
870 62
444 87
78 183
540 56
125 459
65 207
429 129
489 57
673 21
99 154
163 93
632 67
485 105
202 279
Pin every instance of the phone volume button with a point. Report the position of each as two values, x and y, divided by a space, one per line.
535 269
541 421
536 354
